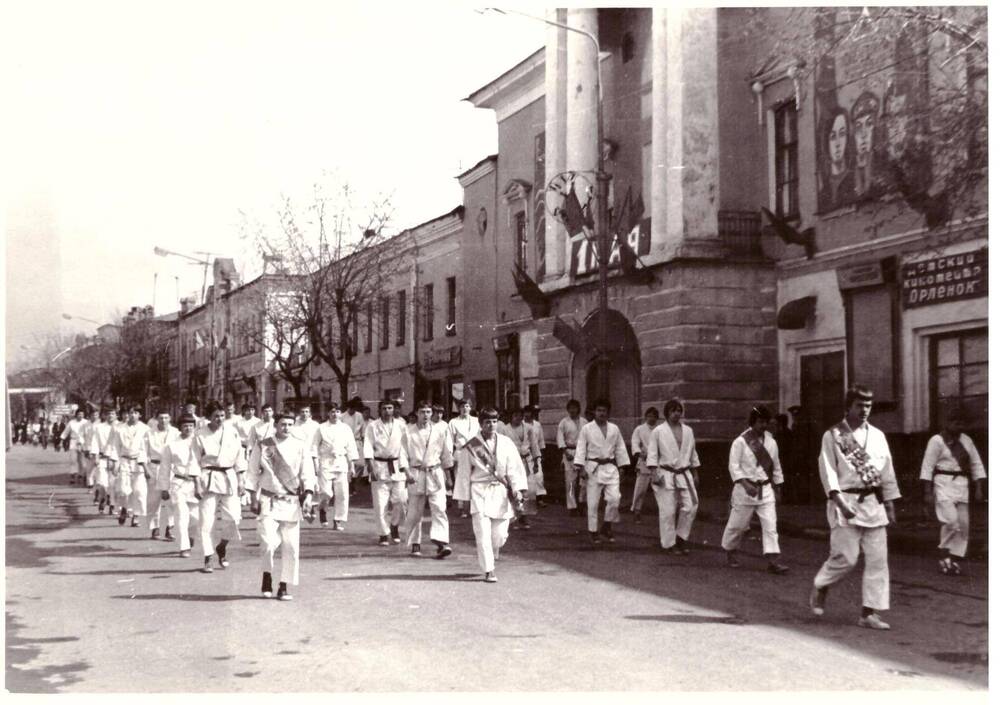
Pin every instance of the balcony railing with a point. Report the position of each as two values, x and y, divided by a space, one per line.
740 231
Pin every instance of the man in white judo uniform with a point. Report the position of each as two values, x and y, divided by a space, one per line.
531 414
282 480
855 467
951 464
463 428
497 484
755 469
245 423
102 449
385 459
336 451
177 481
220 456
643 470
600 452
673 459
131 481
264 428
74 433
523 435
566 437
156 441
94 468
429 456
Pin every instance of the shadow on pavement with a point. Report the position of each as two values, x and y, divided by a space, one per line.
685 619
408 578
20 651
187 597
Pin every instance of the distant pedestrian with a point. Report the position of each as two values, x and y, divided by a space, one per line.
55 433
643 471
673 460
600 452
756 472
858 477
951 466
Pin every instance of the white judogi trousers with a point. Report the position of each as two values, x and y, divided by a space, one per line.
491 535
743 508
82 465
389 500
185 509
336 486
278 526
954 518
98 474
677 508
603 481
417 500
846 542
157 506
643 479
131 488
231 513
570 476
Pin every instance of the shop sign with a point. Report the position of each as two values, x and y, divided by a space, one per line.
446 357
942 278
860 276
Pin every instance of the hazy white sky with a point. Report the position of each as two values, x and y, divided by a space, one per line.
134 124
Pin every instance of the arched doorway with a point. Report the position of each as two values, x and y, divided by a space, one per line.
625 369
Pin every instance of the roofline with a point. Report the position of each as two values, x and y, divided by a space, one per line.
479 96
490 158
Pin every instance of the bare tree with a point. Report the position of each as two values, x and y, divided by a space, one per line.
336 256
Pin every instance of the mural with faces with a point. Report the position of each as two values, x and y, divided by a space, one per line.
871 102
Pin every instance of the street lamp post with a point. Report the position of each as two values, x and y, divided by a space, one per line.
68 317
601 206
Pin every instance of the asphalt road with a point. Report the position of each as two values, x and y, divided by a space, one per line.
95 607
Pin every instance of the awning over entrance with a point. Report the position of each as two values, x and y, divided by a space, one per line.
795 314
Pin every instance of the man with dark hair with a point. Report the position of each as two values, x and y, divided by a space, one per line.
428 450
497 485
856 470
157 440
131 487
244 425
600 452
756 472
102 449
191 409
531 413
643 472
385 458
282 481
264 428
74 433
463 428
951 465
566 437
336 452
220 455
524 439
674 461
178 480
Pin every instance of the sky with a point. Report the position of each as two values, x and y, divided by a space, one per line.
129 125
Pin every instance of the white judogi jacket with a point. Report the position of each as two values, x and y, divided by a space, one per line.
568 431
837 473
428 449
244 426
156 442
290 460
101 441
524 439
74 431
663 450
536 428
487 495
356 422
336 447
463 431
743 465
951 488
385 441
640 446
259 431
130 443
178 462
219 449
87 437
593 445
306 432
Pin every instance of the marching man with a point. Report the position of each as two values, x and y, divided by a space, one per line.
531 413
94 468
756 472
463 428
337 452
497 484
220 456
428 450
523 435
263 428
74 432
600 452
131 487
177 481
281 475
643 469
566 436
951 464
855 467
156 442
244 425
103 452
674 460
385 459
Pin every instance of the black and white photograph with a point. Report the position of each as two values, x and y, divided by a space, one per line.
431 348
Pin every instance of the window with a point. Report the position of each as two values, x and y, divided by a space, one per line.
428 322
451 327
401 319
370 314
521 241
959 376
533 394
384 342
786 161
486 393
354 330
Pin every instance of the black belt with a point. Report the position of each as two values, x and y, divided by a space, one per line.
601 461
185 477
681 471
863 492
155 462
950 473
275 495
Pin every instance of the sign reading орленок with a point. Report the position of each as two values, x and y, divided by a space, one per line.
943 278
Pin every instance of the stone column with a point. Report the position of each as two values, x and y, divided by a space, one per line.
581 97
555 135
658 157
